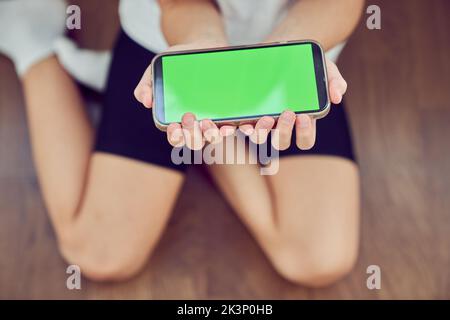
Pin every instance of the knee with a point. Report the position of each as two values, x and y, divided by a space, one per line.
315 267
102 261
117 268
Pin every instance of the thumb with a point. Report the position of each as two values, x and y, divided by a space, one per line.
143 91
337 85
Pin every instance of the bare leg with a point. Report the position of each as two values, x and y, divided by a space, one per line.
306 217
106 210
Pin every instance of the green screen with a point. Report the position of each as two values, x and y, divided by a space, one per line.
240 83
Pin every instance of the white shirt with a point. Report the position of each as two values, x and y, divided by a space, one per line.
246 22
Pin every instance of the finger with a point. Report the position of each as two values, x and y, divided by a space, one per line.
192 133
227 130
262 129
337 89
143 91
175 135
337 85
247 129
281 136
210 131
305 132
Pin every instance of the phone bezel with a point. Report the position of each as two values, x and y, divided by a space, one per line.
319 68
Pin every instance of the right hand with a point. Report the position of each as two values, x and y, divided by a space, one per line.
190 132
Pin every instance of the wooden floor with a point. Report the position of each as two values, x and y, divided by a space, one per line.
399 101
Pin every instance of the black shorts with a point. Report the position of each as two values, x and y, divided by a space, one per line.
126 128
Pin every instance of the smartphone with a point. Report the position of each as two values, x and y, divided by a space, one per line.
240 84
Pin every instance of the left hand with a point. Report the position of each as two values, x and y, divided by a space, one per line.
305 125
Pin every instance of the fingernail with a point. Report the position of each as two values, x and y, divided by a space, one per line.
189 120
206 128
176 137
287 116
205 125
337 97
305 121
265 120
225 132
248 131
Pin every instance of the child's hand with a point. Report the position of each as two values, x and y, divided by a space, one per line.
305 126
190 132
193 133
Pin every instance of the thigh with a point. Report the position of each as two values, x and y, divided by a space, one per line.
125 208
305 217
131 184
322 179
126 128
311 198
316 202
